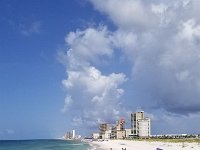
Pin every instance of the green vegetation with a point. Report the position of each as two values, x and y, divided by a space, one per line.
187 140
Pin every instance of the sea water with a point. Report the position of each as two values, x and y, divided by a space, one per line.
43 145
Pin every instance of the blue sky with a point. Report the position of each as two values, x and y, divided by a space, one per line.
74 64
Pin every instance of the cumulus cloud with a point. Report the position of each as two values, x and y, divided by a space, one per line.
160 40
88 46
68 101
126 14
165 55
96 96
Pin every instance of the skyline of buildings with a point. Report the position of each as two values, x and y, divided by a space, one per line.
140 127
71 135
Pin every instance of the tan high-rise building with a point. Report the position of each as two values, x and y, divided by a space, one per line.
120 124
134 118
118 130
105 131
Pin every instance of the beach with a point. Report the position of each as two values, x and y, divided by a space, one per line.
143 145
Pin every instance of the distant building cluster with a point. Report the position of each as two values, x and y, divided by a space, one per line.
140 127
70 135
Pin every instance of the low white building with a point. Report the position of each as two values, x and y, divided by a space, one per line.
128 133
95 135
106 135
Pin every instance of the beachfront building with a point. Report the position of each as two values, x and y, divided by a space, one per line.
120 124
70 135
128 133
143 127
107 134
118 131
73 134
134 119
95 135
67 135
105 131
113 132
121 134
140 125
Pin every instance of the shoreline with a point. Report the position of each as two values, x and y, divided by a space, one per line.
142 145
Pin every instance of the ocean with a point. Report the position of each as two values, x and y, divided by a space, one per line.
42 145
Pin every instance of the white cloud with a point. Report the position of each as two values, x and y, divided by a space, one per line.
125 40
127 14
160 40
88 46
92 81
77 121
96 96
184 75
68 102
167 123
99 95
189 30
33 28
159 9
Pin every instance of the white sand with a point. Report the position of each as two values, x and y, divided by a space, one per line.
142 145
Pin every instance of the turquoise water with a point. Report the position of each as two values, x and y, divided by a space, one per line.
42 145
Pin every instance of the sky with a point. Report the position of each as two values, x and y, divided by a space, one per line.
74 64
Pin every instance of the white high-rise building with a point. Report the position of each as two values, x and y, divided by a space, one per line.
140 125
95 135
144 127
73 134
